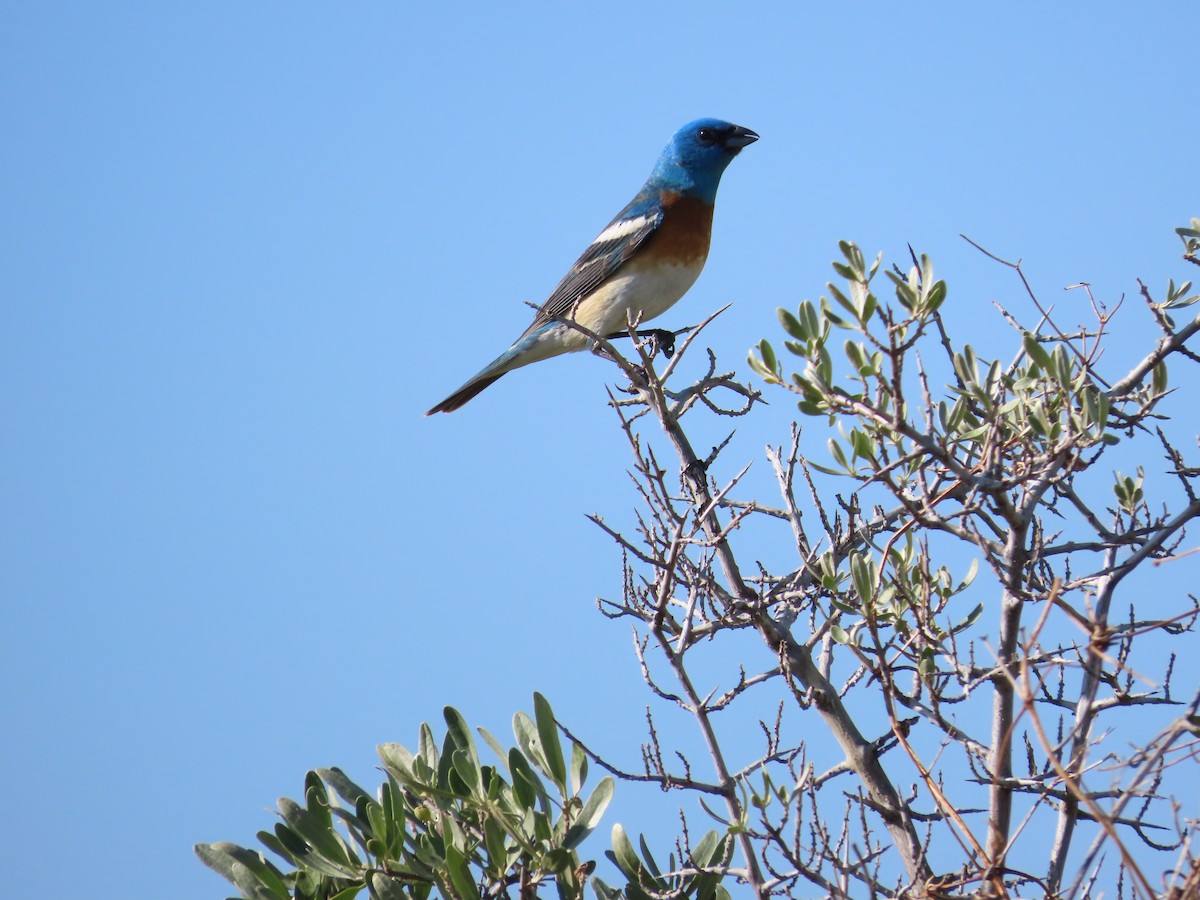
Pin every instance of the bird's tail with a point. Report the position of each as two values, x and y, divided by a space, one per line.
465 393
522 353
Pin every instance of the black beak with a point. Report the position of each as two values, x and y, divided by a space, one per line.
740 137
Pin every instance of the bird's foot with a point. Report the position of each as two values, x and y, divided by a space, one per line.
661 339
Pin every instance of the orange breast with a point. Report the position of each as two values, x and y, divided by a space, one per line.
684 234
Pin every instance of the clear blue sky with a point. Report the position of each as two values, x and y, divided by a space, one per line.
244 245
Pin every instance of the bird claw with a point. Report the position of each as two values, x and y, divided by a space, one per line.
662 341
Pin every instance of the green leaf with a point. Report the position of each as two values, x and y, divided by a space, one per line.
759 369
854 353
526 734
860 574
387 888
291 840
841 298
394 812
526 786
460 874
839 455
272 842
342 786
319 835
968 621
242 867
768 355
396 758
1063 368
316 798
579 768
589 817
808 315
373 814
969 578
993 378
1158 379
824 369
247 882
1037 418
709 850
1129 490
648 858
548 734
496 747
792 326
845 271
869 307
1036 351
467 769
495 785
937 296
458 729
495 839
927 667
559 860
862 445
427 750
625 856
813 408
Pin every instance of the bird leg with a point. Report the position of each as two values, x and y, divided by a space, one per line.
661 339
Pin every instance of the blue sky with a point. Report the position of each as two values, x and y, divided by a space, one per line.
244 246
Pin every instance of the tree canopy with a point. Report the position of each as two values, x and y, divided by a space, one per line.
965 673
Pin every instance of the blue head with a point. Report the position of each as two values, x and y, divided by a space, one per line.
693 161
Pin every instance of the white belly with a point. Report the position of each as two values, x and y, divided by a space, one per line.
646 291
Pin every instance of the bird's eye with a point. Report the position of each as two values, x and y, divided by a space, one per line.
706 135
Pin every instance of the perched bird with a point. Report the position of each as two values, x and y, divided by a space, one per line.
644 261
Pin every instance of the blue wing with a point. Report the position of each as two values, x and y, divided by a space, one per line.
615 245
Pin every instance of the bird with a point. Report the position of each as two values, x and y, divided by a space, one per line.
640 265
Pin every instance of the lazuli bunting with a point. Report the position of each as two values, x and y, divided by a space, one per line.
640 265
